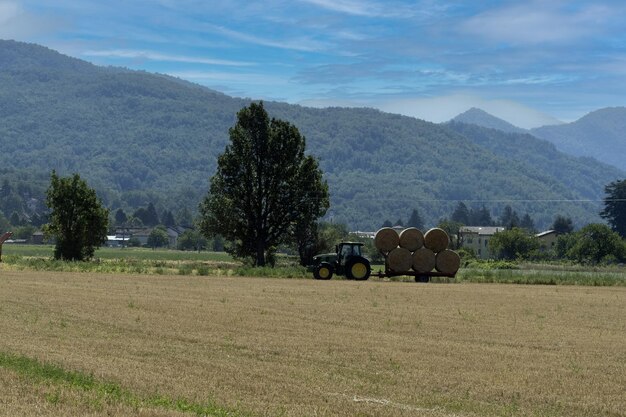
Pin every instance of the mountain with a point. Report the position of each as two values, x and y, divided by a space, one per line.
139 137
482 118
540 155
600 134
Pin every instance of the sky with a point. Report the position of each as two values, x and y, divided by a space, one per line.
529 62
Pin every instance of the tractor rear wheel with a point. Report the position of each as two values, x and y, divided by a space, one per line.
358 268
323 271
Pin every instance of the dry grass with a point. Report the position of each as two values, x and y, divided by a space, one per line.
303 348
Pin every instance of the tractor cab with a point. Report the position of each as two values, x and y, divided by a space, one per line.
347 260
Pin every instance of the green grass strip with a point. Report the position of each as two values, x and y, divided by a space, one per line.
37 370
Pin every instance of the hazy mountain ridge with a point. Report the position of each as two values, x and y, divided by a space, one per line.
482 118
140 137
600 134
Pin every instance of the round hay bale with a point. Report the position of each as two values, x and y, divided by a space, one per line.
411 239
436 240
423 260
400 260
386 239
448 262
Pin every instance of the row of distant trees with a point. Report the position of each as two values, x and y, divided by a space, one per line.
464 216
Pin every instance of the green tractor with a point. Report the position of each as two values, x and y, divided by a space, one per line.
347 260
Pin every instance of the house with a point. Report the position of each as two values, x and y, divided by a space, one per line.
547 240
37 238
116 242
477 238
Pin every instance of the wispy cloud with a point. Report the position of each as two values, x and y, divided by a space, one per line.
298 44
357 8
538 22
155 56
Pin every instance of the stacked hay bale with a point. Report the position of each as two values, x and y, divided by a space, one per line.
415 250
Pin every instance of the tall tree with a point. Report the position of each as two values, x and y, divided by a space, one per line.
77 219
415 220
461 214
527 223
481 217
615 206
153 217
168 218
262 187
509 218
120 217
562 225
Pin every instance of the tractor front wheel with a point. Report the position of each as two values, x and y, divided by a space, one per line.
323 271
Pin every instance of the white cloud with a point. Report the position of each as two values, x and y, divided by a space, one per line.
17 23
537 22
155 56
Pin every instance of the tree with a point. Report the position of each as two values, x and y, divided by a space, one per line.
184 217
387 223
191 240
168 218
264 185
4 224
595 243
513 244
415 220
615 206
77 219
158 238
148 216
481 217
461 214
527 223
120 217
509 218
562 225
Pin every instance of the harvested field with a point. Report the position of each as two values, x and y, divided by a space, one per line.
254 346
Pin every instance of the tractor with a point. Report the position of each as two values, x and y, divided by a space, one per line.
347 260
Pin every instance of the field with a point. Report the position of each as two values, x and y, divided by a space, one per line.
122 344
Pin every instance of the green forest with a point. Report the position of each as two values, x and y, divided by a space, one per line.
141 138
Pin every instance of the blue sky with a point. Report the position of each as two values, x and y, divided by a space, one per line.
529 62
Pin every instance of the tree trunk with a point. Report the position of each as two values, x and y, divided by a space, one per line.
260 254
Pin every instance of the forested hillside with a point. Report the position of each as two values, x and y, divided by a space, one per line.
139 138
600 134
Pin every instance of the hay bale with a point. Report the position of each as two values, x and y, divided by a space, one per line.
411 239
423 260
436 240
386 239
400 260
448 262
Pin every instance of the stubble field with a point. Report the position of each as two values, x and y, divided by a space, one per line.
103 344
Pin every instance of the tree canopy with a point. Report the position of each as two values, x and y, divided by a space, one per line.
514 243
615 206
264 186
78 220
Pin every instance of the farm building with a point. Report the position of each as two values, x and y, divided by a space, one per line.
477 238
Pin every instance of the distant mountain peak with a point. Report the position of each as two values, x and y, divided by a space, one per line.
479 117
